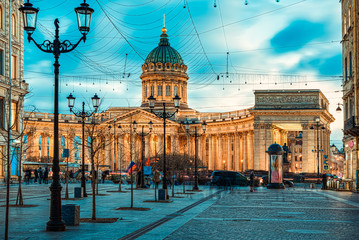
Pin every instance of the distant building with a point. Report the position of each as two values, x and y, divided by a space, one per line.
19 87
350 37
235 140
336 161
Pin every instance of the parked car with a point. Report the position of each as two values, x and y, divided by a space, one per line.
288 183
226 178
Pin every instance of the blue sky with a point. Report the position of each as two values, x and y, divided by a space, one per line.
294 43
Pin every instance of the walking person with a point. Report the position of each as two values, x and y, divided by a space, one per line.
46 175
41 175
71 175
251 181
36 174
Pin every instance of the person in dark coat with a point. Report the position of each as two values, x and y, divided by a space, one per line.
36 175
251 181
46 176
41 175
324 181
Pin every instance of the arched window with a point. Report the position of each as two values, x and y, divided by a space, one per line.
13 25
350 64
168 90
152 90
345 24
175 90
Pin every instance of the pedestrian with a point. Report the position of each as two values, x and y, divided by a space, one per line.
156 178
27 176
103 176
71 175
41 175
324 181
251 181
36 174
46 175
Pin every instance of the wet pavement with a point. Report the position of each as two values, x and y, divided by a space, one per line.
293 213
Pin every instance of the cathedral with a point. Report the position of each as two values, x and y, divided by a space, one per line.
234 140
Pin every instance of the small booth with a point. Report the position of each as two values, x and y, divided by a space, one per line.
275 178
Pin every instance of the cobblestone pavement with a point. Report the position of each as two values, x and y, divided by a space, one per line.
294 213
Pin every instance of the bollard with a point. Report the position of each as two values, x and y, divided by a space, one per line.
78 193
312 185
71 214
162 194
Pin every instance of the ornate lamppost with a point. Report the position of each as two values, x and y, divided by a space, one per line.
196 135
164 115
83 114
317 150
143 135
56 47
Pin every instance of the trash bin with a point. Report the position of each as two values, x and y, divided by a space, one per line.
71 214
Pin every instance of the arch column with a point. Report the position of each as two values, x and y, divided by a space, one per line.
219 152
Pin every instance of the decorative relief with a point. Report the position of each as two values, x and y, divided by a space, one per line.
286 99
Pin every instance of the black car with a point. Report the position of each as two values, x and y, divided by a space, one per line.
228 178
288 183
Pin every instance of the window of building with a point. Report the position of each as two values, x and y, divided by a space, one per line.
345 24
2 113
295 158
300 150
300 158
13 67
152 90
350 64
14 119
168 90
146 91
1 62
349 13
175 90
1 17
182 92
159 89
13 25
346 69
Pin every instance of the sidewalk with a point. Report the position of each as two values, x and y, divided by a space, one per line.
30 223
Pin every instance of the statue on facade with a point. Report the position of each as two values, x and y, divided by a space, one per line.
285 154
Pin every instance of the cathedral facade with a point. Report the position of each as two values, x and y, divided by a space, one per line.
234 140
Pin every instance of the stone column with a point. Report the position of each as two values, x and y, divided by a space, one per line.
36 147
245 157
210 155
229 151
147 146
240 151
160 144
43 145
258 139
308 157
264 165
236 152
250 150
51 146
220 152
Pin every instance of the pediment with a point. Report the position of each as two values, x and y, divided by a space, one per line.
140 116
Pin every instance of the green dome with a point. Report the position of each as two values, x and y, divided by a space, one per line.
164 53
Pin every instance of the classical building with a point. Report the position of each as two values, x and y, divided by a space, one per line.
235 140
350 54
11 64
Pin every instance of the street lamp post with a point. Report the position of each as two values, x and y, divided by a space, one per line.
164 115
196 135
317 150
56 47
83 114
143 135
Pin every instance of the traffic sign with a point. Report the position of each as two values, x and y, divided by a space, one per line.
326 162
326 167
325 156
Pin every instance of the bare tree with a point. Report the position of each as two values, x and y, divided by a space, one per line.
97 142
